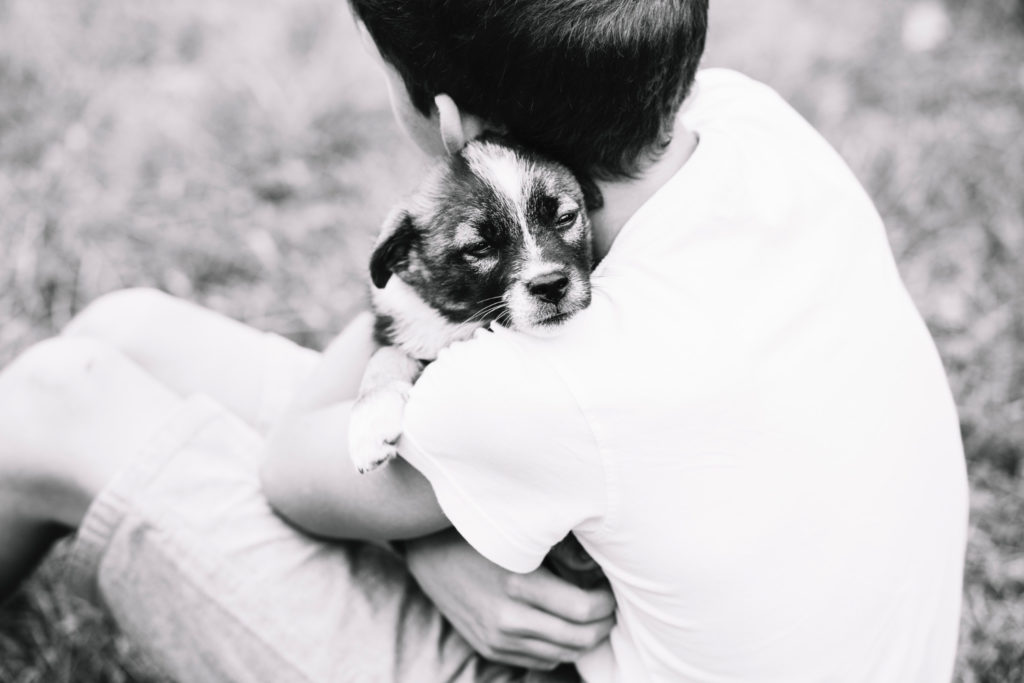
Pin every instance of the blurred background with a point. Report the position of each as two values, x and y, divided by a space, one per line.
242 155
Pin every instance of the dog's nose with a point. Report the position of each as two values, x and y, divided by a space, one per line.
550 287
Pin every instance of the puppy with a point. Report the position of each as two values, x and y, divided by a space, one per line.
495 234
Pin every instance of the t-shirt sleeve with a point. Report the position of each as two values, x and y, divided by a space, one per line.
506 447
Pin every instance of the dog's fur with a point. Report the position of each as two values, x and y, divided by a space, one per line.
495 234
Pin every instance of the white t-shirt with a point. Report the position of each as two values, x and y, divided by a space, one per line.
749 428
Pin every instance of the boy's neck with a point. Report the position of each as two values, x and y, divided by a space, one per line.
622 198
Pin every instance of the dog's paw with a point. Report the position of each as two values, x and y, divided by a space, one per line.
375 425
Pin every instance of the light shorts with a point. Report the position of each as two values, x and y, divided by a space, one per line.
185 552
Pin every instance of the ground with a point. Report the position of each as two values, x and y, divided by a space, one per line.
241 154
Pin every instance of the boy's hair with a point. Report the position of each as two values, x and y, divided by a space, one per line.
595 84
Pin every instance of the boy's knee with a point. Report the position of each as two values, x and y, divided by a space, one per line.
72 410
55 362
122 317
42 377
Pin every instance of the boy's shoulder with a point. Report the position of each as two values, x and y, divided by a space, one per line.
758 163
724 98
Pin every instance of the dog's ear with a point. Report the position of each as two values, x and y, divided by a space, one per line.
392 251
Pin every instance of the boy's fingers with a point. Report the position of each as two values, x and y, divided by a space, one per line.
540 654
521 660
527 624
547 592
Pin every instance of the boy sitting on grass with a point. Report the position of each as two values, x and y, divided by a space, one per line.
749 428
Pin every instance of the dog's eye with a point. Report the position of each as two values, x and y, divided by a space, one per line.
477 250
566 219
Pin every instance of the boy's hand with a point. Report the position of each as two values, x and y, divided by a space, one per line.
531 620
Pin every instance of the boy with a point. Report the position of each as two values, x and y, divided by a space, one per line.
749 428
751 387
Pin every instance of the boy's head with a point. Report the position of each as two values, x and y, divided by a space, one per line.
595 84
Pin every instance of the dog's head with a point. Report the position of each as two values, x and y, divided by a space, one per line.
494 233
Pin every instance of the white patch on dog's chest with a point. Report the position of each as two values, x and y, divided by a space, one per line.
417 328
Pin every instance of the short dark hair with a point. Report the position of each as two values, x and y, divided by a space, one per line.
594 84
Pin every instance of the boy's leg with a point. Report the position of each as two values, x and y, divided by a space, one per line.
53 459
183 549
188 348
192 350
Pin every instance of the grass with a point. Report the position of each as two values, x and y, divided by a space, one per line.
242 155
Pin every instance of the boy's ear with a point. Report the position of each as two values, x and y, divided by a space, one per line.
456 127
392 251
449 120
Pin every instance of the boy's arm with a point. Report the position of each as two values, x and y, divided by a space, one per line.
308 476
534 620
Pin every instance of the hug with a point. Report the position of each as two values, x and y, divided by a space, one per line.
662 320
